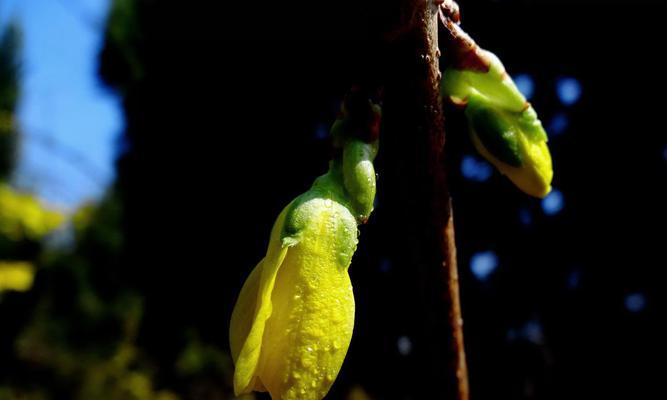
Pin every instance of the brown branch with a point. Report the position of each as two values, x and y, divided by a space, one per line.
414 140
462 51
450 272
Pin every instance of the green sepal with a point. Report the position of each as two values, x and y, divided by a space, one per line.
531 125
359 175
495 131
495 85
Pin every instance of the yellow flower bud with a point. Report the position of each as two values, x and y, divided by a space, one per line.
292 323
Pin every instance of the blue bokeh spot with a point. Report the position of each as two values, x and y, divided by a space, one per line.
475 169
635 302
525 217
553 203
525 84
574 279
385 265
321 132
532 332
483 263
404 345
558 124
568 90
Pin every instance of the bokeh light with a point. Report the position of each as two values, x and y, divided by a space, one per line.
483 263
553 203
525 84
525 217
635 302
475 169
404 345
568 90
558 124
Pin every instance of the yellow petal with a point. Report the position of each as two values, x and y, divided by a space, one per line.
309 332
534 177
293 321
263 279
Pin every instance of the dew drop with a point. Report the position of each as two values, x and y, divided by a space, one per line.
306 360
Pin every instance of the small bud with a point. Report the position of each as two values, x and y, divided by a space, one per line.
514 142
504 126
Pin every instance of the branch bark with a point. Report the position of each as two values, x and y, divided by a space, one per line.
415 139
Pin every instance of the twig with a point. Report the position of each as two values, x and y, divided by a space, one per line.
444 217
413 120
454 300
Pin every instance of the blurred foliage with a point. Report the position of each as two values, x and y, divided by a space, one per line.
73 321
10 40
22 217
121 63
75 333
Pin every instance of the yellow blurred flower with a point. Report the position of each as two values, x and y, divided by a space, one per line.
16 275
23 217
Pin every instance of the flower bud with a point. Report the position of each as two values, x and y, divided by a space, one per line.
514 142
292 323
504 126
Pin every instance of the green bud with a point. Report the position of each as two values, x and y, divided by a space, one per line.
504 126
495 131
495 85
359 175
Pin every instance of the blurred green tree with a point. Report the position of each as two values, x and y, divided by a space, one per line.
72 321
10 40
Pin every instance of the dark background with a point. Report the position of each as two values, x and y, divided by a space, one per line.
229 112
227 106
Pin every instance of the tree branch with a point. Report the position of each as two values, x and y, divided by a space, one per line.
415 139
